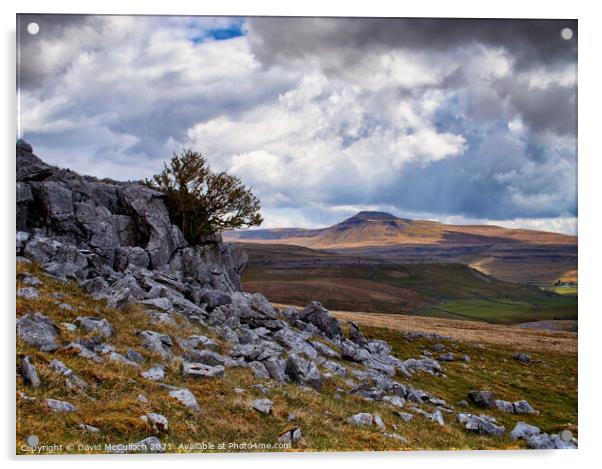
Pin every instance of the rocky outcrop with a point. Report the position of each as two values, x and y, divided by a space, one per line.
84 228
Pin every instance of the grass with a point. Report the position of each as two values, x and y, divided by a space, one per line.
110 403
294 275
507 312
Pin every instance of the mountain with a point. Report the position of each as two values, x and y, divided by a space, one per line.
372 229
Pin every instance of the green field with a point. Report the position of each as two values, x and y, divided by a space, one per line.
294 275
505 312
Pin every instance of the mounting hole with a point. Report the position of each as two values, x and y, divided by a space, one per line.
566 34
33 28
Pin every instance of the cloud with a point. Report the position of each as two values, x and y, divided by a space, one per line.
473 119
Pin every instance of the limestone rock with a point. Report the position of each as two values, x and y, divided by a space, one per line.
263 406
39 331
186 397
29 372
60 406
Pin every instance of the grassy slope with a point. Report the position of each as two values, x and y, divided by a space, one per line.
111 403
454 290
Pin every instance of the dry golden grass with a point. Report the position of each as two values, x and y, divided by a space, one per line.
467 331
110 403
470 331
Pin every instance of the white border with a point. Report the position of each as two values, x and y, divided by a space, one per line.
590 127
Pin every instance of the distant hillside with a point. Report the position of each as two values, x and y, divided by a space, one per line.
524 256
369 229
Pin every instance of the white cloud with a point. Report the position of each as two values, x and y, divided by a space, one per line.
448 129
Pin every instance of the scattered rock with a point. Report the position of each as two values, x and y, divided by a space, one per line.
263 406
523 358
290 436
405 416
154 373
259 370
523 431
88 428
158 343
303 371
482 399
395 401
29 372
316 314
28 293
523 407
504 406
39 331
481 424
545 441
157 422
362 419
185 397
134 356
60 406
395 436
99 325
28 279
152 444
202 371
118 358
72 380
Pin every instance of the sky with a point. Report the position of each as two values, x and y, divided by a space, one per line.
461 121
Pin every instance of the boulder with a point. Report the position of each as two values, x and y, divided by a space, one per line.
185 397
504 406
276 368
156 342
362 419
72 380
523 407
303 371
214 298
523 431
209 357
39 331
482 399
290 436
522 357
199 370
28 293
29 372
263 406
157 422
259 370
355 335
152 444
99 325
545 441
60 406
317 315
88 428
481 424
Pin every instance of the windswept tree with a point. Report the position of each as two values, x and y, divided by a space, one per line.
201 202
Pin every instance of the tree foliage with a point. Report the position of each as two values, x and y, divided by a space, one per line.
201 202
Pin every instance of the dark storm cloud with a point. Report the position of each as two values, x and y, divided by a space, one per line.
31 72
529 40
468 118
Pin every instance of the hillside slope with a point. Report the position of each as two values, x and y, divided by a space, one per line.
367 229
523 256
129 340
341 281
